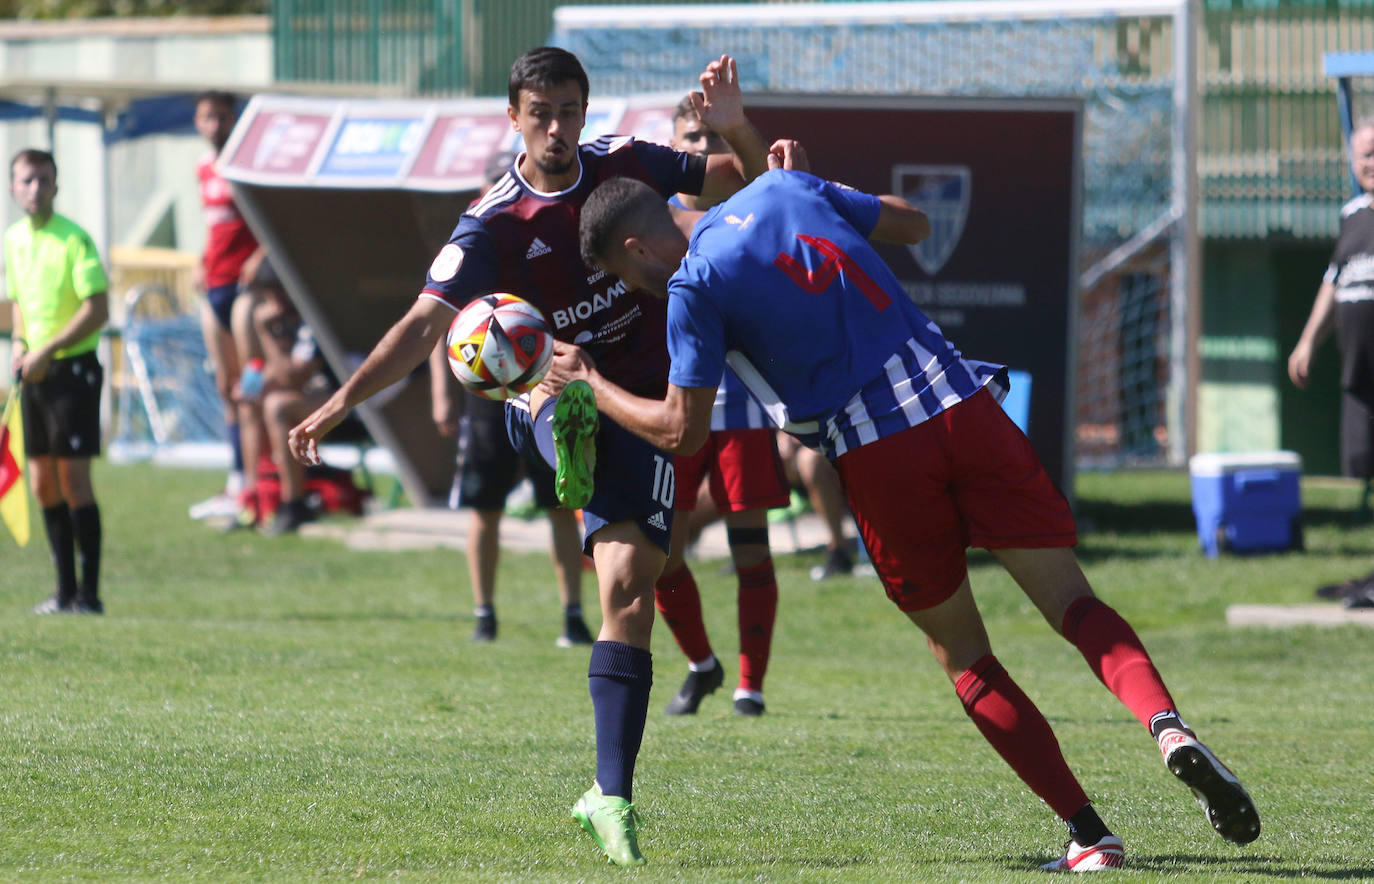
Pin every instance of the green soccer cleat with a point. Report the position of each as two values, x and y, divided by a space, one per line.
574 440
611 821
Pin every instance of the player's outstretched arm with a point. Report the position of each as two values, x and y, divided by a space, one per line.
900 221
405 345
678 423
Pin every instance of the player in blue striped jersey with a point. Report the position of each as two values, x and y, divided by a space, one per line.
780 282
521 237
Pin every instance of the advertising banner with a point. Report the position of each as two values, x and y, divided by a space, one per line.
1000 182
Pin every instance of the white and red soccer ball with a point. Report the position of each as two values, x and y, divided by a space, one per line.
499 346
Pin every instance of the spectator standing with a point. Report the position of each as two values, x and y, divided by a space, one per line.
227 264
1345 305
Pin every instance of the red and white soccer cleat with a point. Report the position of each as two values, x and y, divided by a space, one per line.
1109 853
1224 800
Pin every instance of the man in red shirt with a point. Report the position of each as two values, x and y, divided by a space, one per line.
231 254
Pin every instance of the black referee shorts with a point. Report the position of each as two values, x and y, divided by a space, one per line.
62 411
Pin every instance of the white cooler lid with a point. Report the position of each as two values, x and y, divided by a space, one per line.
1221 463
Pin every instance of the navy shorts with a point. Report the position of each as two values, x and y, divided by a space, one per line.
221 300
634 480
488 466
62 411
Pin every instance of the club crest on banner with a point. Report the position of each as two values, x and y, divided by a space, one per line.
942 192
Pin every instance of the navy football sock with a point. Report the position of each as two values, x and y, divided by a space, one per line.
543 432
235 446
619 677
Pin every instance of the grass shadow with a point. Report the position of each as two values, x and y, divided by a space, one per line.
1247 865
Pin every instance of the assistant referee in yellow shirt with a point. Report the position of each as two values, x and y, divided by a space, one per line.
58 288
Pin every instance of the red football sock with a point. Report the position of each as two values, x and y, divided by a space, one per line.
1008 720
1117 657
758 607
677 599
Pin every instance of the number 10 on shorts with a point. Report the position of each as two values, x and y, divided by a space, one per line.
665 483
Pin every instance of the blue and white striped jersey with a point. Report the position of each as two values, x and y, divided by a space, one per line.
781 285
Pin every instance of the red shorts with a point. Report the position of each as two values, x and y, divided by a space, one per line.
746 472
966 477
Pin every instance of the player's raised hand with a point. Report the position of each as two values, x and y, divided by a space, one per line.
720 103
788 153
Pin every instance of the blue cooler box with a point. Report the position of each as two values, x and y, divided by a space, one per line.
1247 502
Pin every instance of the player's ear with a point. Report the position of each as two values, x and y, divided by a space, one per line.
514 115
635 246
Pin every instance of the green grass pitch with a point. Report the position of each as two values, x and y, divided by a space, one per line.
287 710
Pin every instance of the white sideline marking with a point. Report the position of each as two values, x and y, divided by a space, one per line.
1298 615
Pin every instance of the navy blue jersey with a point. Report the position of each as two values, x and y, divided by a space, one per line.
519 240
780 283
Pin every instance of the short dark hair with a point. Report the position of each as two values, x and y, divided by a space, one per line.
685 108
544 67
217 96
616 207
34 157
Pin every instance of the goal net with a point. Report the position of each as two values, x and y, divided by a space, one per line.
1131 372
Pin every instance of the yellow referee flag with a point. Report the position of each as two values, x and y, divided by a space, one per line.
14 497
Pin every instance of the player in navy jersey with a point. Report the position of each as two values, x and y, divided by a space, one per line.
487 469
740 457
780 283
521 237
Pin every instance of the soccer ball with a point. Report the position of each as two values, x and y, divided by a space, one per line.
499 346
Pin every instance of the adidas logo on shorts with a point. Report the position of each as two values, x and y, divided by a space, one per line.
657 521
536 249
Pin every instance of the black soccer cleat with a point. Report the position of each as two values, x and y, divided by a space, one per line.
291 515
1346 589
748 707
485 630
1228 806
575 633
694 690
837 564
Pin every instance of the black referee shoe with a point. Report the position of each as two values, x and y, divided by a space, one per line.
88 606
694 690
